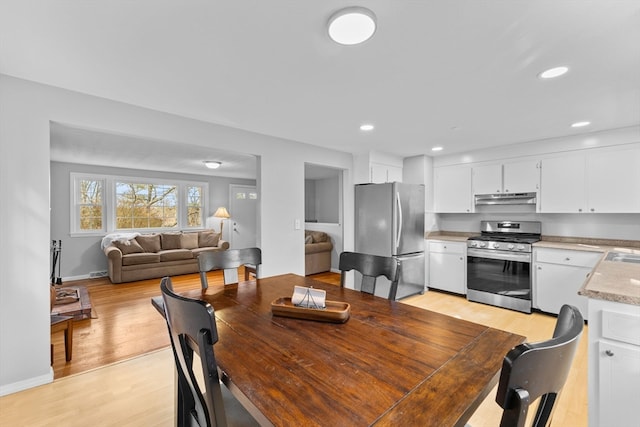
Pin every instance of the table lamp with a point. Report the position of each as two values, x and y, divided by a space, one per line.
222 212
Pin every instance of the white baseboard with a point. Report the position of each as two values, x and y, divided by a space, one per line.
25 384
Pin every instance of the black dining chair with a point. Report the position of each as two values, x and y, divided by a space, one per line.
538 370
192 330
371 267
229 261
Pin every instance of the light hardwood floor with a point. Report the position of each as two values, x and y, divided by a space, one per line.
122 369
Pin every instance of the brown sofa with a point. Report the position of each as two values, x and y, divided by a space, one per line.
150 256
317 252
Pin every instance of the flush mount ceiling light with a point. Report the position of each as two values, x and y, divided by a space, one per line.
436 149
352 25
212 165
580 124
366 127
552 73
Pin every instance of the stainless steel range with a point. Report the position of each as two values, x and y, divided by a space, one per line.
499 263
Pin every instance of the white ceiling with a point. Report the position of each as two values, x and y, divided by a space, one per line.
455 73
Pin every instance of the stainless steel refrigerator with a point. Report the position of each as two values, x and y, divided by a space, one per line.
389 221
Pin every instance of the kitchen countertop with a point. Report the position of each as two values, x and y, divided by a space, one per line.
609 280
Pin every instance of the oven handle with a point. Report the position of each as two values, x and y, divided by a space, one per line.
499 255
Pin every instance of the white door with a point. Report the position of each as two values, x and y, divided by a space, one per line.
243 203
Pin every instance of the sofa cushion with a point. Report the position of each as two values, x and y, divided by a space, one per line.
175 255
189 240
208 239
318 247
141 258
149 242
171 241
308 239
319 236
130 247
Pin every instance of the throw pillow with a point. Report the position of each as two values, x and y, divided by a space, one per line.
149 242
319 236
130 247
189 240
171 240
308 239
208 239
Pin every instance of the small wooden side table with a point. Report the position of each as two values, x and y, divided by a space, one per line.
63 323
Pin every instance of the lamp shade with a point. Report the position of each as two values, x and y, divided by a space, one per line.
221 212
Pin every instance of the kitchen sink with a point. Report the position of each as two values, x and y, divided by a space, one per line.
623 257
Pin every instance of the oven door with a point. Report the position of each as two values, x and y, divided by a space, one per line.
499 278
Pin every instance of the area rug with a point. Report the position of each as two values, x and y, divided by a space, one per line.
73 301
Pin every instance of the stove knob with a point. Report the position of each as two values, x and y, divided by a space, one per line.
473 244
521 247
496 245
483 244
510 246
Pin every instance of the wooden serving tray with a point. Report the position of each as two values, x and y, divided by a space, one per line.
335 311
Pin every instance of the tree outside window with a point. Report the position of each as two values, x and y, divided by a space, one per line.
146 206
90 205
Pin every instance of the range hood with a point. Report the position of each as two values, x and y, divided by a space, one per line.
506 199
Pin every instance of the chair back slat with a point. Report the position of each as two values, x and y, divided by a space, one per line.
229 261
533 370
192 329
371 267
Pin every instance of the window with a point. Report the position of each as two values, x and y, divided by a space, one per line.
107 204
88 205
146 206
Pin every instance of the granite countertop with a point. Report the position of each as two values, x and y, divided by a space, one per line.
609 280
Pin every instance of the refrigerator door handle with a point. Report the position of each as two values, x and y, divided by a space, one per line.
399 205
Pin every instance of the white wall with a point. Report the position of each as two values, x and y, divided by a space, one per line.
26 109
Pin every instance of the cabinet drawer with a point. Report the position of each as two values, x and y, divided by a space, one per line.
621 327
564 257
447 247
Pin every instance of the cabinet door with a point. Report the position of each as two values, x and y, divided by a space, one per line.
487 179
447 272
619 374
613 181
521 177
453 189
556 285
378 173
394 174
562 184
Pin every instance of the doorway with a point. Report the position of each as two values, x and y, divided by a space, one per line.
243 203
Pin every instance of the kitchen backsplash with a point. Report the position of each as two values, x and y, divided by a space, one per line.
602 226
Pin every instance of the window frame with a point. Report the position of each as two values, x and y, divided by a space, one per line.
109 203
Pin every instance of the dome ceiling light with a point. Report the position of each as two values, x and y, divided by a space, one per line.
352 25
212 165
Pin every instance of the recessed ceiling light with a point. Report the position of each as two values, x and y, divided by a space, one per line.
352 25
212 164
366 127
436 149
553 72
580 124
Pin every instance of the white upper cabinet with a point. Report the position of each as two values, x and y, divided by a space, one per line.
598 181
487 179
453 189
562 184
513 177
381 173
613 181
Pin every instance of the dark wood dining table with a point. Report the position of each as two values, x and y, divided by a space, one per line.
389 364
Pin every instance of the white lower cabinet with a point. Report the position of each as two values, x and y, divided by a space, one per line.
614 364
448 266
558 276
